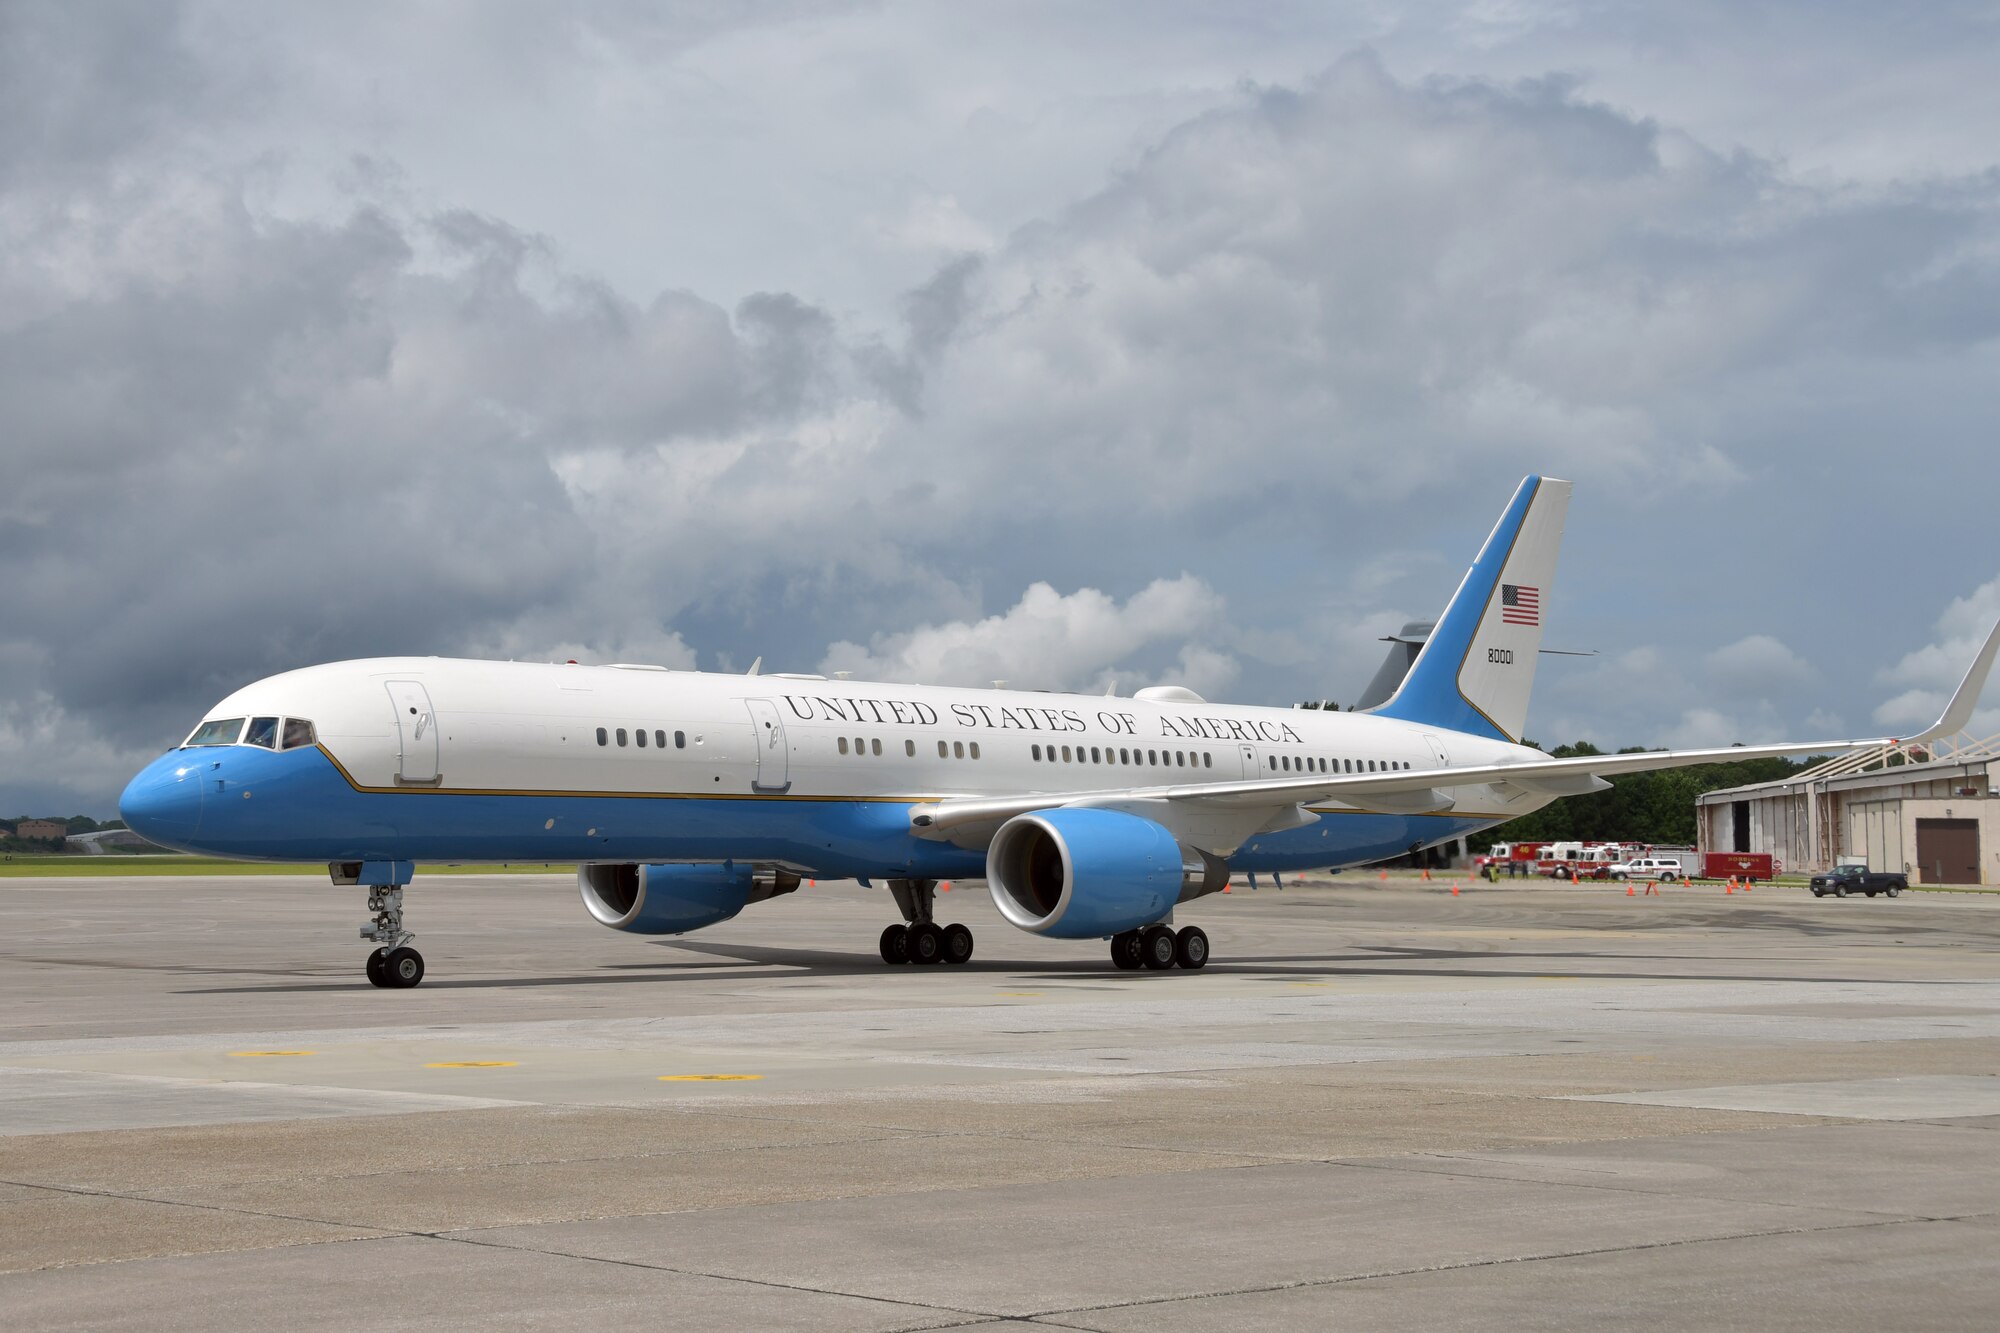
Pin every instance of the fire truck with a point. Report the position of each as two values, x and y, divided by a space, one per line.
1582 860
1508 858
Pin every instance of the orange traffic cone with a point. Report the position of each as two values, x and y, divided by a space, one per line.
1572 879
1629 891
1225 888
1427 874
1732 885
944 886
1454 889
1385 876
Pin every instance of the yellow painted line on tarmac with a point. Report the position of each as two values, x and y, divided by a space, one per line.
709 1078
473 1064
255 1055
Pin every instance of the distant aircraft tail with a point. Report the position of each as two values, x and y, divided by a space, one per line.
1478 666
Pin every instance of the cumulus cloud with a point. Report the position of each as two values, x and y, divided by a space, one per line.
1052 640
1930 674
1758 666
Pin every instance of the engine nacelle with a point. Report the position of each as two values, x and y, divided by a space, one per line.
1074 872
674 899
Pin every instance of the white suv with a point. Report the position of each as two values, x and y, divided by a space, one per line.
1662 868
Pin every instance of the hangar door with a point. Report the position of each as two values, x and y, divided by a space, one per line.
1948 851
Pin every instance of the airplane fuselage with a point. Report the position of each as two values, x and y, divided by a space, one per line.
444 759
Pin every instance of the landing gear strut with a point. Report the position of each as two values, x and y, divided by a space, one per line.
1159 948
393 965
922 941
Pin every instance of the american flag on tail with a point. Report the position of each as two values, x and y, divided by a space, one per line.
1520 604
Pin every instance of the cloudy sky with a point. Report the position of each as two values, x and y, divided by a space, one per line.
1071 345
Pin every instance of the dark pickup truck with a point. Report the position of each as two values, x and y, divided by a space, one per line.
1843 880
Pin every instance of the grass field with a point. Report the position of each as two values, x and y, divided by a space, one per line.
129 867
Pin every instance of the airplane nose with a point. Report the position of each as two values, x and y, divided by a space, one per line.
163 803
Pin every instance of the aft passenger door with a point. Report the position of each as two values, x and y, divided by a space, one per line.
417 734
1438 752
774 756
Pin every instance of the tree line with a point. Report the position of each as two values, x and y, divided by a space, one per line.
1656 807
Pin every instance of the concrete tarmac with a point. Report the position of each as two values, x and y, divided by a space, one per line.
1381 1105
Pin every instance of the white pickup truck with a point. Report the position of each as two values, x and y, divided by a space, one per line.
1663 868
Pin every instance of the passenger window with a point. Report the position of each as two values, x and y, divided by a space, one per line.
298 732
640 736
944 752
842 743
680 740
1096 757
1180 758
1035 751
1274 762
860 746
1207 759
958 749
975 749
1124 758
659 739
910 749
1066 758
621 736
875 747
263 731
603 736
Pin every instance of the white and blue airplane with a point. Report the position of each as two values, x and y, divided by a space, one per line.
685 796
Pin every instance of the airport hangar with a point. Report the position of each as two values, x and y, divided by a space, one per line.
1927 811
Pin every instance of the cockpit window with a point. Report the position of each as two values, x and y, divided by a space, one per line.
221 731
298 732
263 731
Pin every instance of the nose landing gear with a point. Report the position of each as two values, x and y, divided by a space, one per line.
393 965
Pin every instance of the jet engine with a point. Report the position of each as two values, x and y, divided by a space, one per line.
1075 872
674 899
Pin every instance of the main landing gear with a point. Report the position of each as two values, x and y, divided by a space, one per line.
1158 948
922 940
393 965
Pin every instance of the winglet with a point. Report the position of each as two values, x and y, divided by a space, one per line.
1958 713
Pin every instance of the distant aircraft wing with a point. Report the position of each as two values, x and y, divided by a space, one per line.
1219 816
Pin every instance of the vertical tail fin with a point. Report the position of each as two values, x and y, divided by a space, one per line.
1478 668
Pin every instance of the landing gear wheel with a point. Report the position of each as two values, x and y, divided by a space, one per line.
926 944
1125 950
404 968
1156 948
378 968
896 944
957 944
1191 948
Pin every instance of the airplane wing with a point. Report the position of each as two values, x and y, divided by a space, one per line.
1219 816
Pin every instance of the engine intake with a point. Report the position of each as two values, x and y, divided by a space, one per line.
1075 872
675 899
